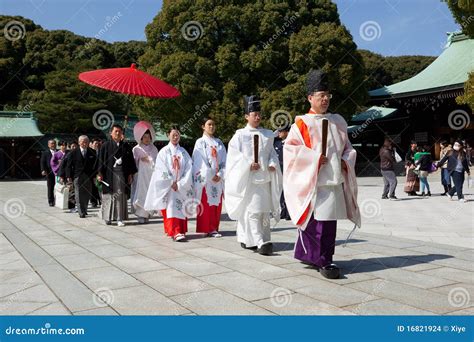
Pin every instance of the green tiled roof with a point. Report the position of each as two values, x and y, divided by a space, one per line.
449 71
18 125
373 113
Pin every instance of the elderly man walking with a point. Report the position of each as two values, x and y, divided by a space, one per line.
82 168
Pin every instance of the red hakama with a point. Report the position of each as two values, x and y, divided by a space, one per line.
173 225
209 216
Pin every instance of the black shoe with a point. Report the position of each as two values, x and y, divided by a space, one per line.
108 223
51 204
393 197
94 205
330 271
266 249
384 197
428 194
82 215
245 247
444 194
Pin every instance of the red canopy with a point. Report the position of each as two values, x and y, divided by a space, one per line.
129 81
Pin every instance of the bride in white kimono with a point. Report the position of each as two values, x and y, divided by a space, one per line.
209 158
144 154
171 187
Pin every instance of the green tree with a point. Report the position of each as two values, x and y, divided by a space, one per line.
67 105
215 52
39 71
126 53
383 71
463 12
468 97
14 32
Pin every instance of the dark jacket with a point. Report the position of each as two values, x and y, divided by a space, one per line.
410 157
278 145
63 165
387 159
452 159
108 154
425 162
45 161
78 166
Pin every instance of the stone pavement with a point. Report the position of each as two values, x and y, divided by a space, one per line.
411 257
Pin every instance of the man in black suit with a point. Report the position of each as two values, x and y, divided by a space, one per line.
46 170
81 168
278 145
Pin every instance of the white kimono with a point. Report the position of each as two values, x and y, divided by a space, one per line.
172 163
250 196
141 180
206 165
328 191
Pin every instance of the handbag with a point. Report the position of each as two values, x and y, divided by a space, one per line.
61 194
398 159
433 167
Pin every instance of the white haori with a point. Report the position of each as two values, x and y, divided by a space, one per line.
172 163
209 160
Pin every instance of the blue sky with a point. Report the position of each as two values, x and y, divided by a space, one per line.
388 27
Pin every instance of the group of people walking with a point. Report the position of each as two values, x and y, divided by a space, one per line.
454 164
313 163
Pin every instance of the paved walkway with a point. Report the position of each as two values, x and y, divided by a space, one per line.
412 256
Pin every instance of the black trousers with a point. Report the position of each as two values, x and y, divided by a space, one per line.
50 182
284 215
95 196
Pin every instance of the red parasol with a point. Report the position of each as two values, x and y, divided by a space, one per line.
129 81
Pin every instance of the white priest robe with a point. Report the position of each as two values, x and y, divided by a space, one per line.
172 163
326 191
250 196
